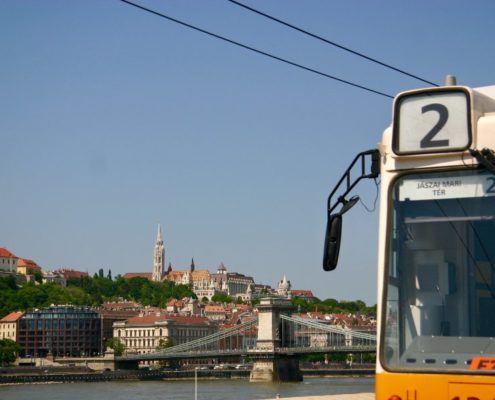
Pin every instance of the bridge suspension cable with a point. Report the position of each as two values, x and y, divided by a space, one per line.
330 328
210 339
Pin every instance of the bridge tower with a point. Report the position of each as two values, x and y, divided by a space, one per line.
268 365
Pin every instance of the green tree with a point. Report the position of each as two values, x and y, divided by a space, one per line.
162 345
302 305
222 298
38 275
8 351
117 346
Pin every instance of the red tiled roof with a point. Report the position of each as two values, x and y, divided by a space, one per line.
7 254
70 273
151 319
129 275
176 303
183 319
24 262
214 308
302 292
12 317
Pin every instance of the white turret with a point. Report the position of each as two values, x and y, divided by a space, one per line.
159 257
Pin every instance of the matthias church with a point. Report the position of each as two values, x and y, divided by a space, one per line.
203 283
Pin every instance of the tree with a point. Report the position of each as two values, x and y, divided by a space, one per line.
117 346
222 298
38 275
162 345
8 351
109 276
165 344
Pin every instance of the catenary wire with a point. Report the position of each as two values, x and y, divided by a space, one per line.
294 64
374 60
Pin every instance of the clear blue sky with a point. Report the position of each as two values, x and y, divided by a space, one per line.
113 120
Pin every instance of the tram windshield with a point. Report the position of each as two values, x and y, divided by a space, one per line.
440 284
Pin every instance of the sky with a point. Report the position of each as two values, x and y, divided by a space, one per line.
113 120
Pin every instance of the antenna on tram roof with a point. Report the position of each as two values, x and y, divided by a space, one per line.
450 80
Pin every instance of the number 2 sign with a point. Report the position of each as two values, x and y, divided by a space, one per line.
433 121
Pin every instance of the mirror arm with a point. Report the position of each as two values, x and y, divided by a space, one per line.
374 172
334 221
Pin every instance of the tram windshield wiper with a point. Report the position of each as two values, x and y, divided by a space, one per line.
485 157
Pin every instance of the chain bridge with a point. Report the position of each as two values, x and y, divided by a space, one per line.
274 341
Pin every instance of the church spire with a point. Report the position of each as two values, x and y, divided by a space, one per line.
192 265
158 256
159 234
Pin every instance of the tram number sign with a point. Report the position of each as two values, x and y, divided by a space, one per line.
433 121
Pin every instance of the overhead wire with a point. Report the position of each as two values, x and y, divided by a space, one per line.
294 64
374 60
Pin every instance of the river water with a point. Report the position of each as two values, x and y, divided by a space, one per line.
184 390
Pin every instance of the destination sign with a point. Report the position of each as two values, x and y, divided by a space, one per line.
452 187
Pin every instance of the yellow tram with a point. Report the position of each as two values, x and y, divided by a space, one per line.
436 256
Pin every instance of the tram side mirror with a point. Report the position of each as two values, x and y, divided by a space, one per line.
333 234
332 242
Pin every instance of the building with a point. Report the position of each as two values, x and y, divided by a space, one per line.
71 273
115 312
198 279
60 331
233 283
215 312
9 325
142 334
8 261
303 294
27 267
186 306
158 257
54 277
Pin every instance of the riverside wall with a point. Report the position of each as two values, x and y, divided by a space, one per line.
15 376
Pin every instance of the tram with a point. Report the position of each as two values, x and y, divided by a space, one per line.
436 255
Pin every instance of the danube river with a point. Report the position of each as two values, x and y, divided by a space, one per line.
184 390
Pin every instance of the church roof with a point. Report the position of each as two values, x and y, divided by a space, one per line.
175 275
200 274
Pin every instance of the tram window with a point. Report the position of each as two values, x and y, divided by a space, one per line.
441 283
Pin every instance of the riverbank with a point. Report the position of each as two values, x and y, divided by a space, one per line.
83 375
